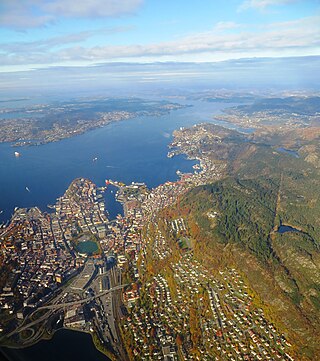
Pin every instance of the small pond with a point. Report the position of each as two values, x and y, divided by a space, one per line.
284 229
87 247
291 152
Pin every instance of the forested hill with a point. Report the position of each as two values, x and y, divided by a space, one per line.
264 219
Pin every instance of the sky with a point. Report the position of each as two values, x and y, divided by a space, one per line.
55 35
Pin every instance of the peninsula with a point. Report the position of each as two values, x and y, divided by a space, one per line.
44 123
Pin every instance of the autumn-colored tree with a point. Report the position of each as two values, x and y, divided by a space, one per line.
153 332
194 327
179 340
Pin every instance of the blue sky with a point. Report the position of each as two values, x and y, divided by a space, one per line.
44 33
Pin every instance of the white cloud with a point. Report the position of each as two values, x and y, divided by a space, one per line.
294 38
58 41
19 14
300 34
22 14
226 25
91 8
263 4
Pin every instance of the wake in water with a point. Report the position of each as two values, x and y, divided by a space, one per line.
166 135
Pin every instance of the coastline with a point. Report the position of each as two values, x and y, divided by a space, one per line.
78 127
49 337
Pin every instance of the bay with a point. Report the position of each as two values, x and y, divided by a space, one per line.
132 150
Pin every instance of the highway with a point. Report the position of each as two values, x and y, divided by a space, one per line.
79 302
54 307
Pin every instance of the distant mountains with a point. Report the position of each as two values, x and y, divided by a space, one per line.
298 105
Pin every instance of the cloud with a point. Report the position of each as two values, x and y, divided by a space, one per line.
57 41
91 8
295 72
226 25
20 14
24 14
299 34
295 37
263 4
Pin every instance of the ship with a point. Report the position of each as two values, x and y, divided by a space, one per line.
17 154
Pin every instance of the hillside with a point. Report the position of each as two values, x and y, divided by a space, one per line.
241 221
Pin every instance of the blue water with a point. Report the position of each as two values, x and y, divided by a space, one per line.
284 229
293 153
133 150
18 115
66 345
113 207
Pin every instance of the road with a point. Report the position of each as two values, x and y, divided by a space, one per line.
54 307
79 302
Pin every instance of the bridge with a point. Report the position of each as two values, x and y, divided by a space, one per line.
79 302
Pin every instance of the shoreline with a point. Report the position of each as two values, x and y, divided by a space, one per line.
96 124
49 337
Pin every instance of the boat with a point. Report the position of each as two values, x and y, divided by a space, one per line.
17 154
27 189
95 159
